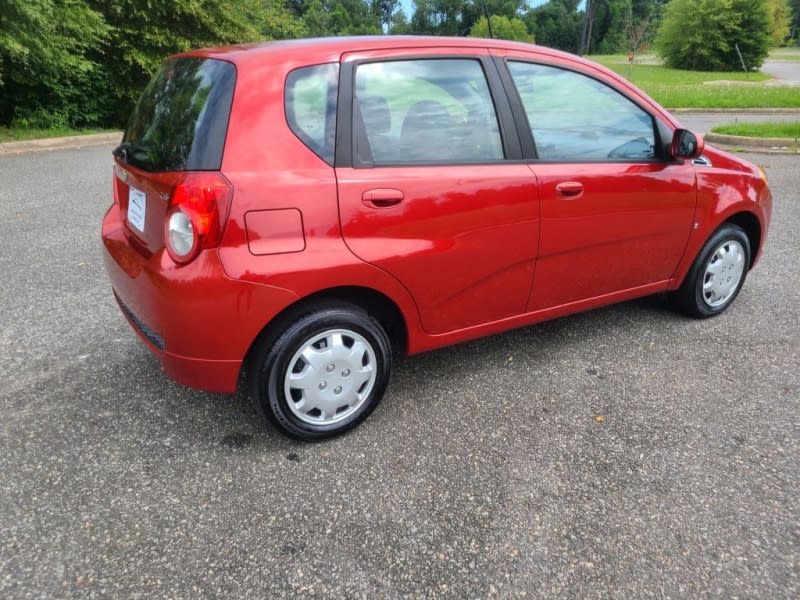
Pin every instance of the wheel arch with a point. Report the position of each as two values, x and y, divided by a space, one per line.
752 228
377 304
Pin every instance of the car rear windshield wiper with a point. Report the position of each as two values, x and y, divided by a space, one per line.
121 151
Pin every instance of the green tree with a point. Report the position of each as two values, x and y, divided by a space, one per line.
640 24
400 23
276 22
363 19
608 20
340 23
386 10
316 19
438 17
502 28
556 24
474 9
703 35
779 13
145 32
340 17
49 70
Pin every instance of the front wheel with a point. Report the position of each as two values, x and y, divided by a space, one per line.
323 374
717 274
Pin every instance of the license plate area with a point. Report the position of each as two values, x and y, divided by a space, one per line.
137 209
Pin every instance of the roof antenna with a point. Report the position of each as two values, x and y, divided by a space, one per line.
488 18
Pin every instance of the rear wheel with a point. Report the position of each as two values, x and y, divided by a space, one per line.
717 274
323 374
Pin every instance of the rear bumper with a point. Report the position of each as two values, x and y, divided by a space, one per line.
196 320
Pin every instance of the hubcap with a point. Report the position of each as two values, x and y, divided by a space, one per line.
723 273
330 377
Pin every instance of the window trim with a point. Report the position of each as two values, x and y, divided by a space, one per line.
525 132
333 74
345 135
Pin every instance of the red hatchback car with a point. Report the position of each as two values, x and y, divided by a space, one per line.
310 209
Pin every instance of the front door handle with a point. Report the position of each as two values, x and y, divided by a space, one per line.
570 189
382 198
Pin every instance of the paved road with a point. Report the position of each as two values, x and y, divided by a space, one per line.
786 72
702 122
483 474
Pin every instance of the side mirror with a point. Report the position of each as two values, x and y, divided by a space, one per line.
686 144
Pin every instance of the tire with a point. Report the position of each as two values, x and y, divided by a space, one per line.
717 274
323 373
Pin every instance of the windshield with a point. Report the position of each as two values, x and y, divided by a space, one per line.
180 121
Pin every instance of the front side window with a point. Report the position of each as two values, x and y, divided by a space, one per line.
310 103
424 111
574 117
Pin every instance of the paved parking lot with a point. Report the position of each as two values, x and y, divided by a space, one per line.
484 473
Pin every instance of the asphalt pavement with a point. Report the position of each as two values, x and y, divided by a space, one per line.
626 452
702 121
785 72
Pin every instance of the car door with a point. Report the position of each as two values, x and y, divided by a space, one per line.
615 215
432 185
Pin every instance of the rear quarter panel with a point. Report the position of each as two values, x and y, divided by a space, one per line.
271 169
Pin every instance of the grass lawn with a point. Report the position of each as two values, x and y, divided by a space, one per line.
9 134
785 54
790 130
674 88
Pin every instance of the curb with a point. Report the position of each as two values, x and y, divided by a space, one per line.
753 144
60 143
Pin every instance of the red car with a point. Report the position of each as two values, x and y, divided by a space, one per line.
311 209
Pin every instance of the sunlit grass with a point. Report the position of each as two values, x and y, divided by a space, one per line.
675 88
647 74
16 134
725 96
789 130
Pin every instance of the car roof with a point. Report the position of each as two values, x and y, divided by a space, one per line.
330 48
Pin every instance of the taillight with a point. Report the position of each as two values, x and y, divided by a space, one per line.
198 211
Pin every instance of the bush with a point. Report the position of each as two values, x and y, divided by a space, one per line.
49 71
503 28
702 35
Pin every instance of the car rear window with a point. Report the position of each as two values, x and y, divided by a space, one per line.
310 103
180 121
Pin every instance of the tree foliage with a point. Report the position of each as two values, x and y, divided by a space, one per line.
49 70
438 17
143 33
794 20
703 35
85 62
556 24
502 28
608 33
779 13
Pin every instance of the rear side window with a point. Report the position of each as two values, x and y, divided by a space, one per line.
310 104
425 111
180 121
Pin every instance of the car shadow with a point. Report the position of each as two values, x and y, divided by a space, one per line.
230 423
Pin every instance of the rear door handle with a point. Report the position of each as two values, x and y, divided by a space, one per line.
570 189
382 198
